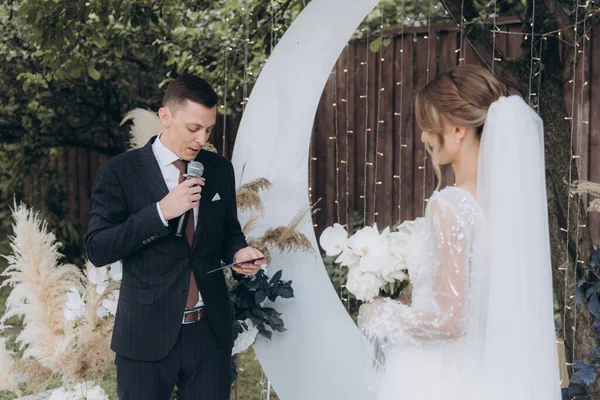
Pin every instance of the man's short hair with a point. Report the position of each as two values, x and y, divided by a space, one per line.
189 87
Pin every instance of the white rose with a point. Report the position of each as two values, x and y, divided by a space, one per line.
393 271
348 258
369 243
63 394
116 271
411 227
96 393
75 307
101 312
111 301
246 338
333 239
363 285
99 277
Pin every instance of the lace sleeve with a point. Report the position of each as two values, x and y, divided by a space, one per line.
439 312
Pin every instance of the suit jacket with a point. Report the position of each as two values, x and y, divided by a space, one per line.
125 225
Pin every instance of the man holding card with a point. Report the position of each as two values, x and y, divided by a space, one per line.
171 222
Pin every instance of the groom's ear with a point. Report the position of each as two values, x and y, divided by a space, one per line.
164 113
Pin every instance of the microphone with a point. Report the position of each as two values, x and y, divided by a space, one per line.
195 169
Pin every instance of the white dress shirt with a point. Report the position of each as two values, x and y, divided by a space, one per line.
170 173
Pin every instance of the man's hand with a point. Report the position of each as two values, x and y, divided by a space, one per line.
184 197
248 253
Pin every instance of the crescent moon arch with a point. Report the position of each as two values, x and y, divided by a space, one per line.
319 355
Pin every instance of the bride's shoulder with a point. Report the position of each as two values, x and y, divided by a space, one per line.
453 200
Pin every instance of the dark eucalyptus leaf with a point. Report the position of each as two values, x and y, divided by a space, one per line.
589 293
576 390
276 277
594 305
588 376
264 332
260 297
257 311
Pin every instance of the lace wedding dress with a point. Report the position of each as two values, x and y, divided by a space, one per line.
425 340
480 324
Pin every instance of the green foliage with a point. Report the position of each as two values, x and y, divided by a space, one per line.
73 69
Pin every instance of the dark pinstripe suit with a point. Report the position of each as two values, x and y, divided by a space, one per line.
125 225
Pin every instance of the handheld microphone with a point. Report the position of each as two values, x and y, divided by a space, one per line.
195 169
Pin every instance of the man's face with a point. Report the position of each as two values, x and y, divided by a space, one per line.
188 128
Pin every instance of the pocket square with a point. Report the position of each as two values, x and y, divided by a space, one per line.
217 197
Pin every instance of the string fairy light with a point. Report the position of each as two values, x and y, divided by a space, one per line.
577 157
366 98
337 144
246 11
226 50
461 58
531 55
346 102
427 80
569 195
495 30
400 124
538 74
376 182
347 133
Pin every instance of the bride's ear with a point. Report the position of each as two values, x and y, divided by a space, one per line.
460 133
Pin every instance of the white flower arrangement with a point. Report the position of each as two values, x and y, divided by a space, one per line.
82 391
101 278
376 261
246 338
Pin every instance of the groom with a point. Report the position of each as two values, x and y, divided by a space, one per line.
174 322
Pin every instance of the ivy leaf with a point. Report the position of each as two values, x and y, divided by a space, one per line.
376 45
98 39
93 73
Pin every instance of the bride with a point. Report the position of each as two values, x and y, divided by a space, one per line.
480 325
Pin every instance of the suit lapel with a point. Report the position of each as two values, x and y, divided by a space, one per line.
208 192
148 171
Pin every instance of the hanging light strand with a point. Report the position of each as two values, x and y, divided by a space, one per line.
226 49
400 123
366 98
428 39
379 121
571 158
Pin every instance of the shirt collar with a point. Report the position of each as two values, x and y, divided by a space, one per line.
163 155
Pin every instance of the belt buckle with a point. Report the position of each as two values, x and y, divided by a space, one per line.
186 312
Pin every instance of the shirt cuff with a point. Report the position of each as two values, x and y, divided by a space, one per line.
160 214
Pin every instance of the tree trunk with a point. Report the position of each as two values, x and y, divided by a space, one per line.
578 329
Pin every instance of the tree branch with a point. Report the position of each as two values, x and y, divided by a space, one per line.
479 38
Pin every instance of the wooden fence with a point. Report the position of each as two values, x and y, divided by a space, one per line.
366 154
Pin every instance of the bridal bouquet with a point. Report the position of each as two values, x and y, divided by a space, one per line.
377 262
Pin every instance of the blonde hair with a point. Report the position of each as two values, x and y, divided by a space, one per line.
461 97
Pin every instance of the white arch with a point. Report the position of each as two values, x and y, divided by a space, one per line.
319 356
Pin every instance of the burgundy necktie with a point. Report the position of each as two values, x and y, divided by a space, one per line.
193 297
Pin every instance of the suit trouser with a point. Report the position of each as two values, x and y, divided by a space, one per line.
198 364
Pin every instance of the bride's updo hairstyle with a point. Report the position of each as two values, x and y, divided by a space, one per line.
461 97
